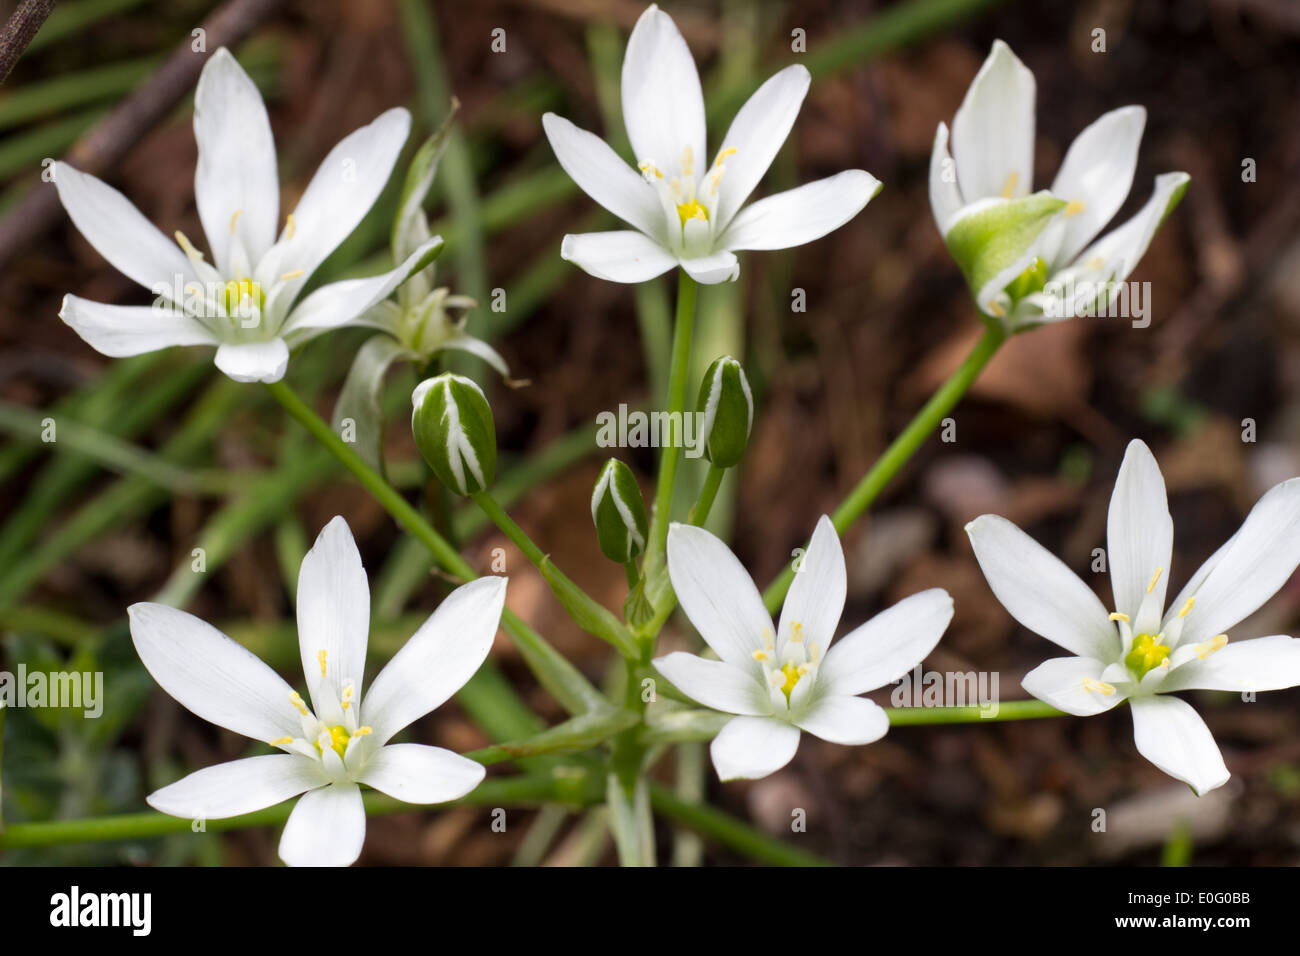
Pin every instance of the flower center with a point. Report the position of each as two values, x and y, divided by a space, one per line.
791 672
797 660
239 293
339 738
1146 654
691 210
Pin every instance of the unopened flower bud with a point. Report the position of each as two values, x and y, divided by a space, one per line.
455 432
619 513
726 406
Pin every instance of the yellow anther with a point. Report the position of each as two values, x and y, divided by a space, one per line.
1009 187
289 227
187 247
234 219
1187 608
1096 262
1154 578
320 656
362 732
687 211
652 169
285 277
296 699
1118 616
723 154
281 741
1097 686
688 162
997 310
1207 648
796 631
348 693
1074 207
760 655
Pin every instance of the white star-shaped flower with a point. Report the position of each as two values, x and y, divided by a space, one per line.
685 210
245 300
792 679
1141 652
341 740
1024 254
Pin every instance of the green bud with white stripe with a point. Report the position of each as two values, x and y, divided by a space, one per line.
726 409
454 430
619 513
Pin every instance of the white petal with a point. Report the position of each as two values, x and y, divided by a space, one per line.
1263 663
756 135
205 671
121 330
1139 537
343 303
235 183
598 171
333 618
712 269
816 598
240 786
1170 734
845 720
617 256
1039 591
663 106
1061 683
1097 173
1250 569
751 747
444 653
716 684
945 197
254 361
1116 254
800 215
717 595
326 828
993 131
345 186
119 233
887 646
415 773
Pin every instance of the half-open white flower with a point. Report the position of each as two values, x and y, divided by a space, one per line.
341 739
1142 652
244 300
1033 258
685 210
791 679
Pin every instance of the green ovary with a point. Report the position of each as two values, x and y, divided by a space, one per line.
1145 655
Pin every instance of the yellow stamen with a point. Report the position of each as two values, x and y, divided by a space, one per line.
285 277
1207 648
320 656
281 741
1154 578
688 162
652 169
1074 207
362 732
760 655
1096 686
186 246
289 227
796 631
723 154
1187 608
1118 616
1009 187
234 219
296 699
997 310
347 696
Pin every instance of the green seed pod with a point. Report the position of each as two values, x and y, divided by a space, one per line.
455 433
727 408
619 513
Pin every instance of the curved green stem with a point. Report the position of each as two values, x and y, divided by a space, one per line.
902 449
712 481
560 678
1006 710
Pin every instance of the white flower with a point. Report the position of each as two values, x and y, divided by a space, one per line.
782 682
341 740
1141 652
244 300
685 210
1012 244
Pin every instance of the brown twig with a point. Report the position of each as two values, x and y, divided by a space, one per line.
110 140
18 32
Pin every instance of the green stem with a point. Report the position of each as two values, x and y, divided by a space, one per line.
683 329
560 678
502 520
712 481
633 575
902 449
1006 710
